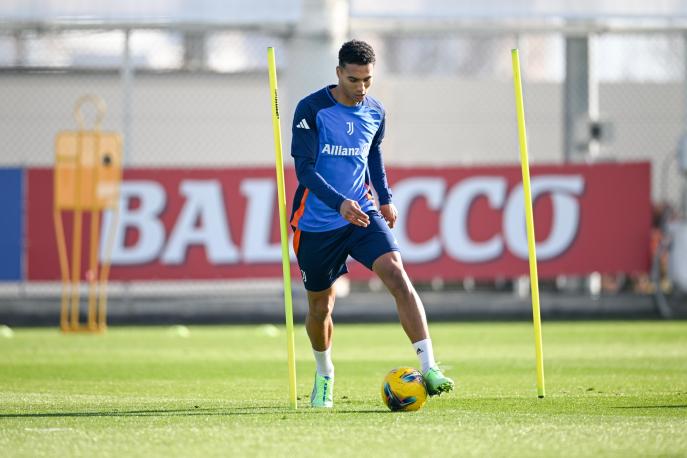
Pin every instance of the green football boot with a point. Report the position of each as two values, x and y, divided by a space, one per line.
322 392
436 382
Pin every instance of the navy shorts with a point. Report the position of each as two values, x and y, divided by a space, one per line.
322 255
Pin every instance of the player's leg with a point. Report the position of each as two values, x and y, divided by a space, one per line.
318 321
411 313
322 259
376 248
320 326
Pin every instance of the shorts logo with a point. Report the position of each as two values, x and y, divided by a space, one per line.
305 278
349 125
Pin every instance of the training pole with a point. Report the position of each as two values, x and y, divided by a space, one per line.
529 217
285 261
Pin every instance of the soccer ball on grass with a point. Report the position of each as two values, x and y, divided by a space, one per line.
404 390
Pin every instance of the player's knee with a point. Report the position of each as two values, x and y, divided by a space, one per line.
321 307
397 281
321 311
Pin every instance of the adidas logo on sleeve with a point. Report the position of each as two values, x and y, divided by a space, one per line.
303 124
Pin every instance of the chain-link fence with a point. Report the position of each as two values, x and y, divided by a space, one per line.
198 98
462 81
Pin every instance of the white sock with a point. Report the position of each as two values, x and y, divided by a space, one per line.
425 354
323 359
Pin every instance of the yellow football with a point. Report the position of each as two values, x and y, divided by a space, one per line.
404 390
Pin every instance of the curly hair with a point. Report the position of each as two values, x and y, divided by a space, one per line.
356 52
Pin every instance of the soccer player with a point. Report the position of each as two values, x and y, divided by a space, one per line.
336 146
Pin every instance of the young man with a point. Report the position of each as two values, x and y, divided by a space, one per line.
337 133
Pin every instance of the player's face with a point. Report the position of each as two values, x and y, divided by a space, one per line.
354 81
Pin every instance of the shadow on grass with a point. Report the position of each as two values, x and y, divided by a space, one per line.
225 412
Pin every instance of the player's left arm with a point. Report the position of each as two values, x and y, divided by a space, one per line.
375 165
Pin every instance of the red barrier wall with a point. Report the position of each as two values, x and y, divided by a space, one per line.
454 222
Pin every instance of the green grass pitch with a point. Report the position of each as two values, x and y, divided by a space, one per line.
613 389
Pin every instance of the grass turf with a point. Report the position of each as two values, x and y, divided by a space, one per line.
613 389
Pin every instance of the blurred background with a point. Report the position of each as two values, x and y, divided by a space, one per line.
185 84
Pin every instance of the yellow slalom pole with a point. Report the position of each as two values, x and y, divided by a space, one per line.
281 193
534 278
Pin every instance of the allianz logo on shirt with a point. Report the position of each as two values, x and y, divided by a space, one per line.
338 150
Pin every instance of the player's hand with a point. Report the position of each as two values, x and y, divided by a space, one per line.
351 211
390 213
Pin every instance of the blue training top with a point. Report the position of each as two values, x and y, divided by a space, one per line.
336 149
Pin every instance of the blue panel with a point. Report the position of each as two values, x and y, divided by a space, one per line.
11 223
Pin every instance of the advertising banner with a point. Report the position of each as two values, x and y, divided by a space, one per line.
454 222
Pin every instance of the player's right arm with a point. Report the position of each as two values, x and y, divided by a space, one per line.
304 149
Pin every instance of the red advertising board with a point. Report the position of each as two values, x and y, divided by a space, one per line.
454 222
